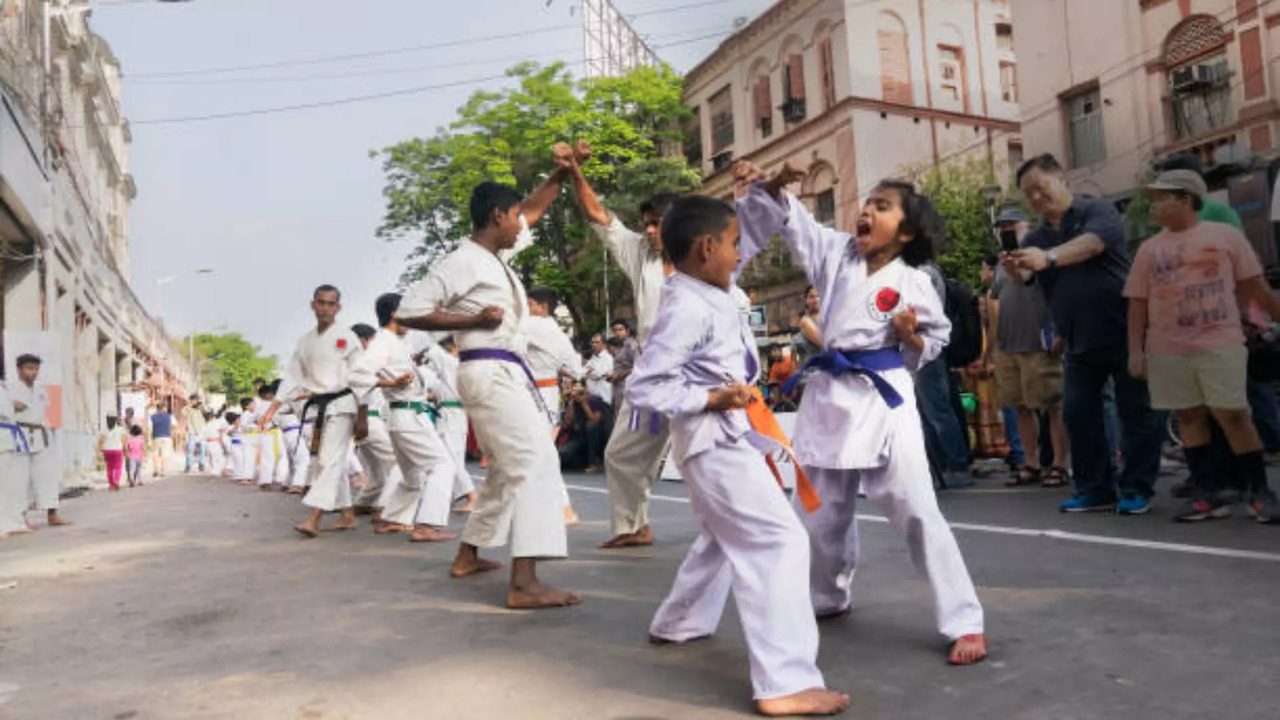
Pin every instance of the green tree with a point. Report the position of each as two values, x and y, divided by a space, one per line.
955 187
229 363
633 124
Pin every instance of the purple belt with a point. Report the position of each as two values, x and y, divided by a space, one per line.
655 422
506 356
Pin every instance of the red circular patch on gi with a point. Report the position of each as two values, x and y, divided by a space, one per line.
342 343
887 299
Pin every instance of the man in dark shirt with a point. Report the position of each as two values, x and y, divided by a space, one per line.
585 421
1078 256
161 441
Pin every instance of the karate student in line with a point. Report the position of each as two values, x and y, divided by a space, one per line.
632 457
235 447
13 484
212 436
551 355
287 429
317 374
269 448
421 500
857 425
475 295
376 455
250 436
451 422
697 369
38 462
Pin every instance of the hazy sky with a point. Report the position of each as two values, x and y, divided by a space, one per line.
279 203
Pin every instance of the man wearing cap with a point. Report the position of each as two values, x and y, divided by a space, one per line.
1185 333
1028 364
1078 257
37 461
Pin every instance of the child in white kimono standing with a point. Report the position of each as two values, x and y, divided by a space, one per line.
551 355
377 458
858 426
697 369
451 421
250 441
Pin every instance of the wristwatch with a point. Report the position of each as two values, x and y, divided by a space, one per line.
1052 257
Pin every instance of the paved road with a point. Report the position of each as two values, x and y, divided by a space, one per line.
191 598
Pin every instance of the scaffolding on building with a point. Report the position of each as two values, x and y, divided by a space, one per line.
611 47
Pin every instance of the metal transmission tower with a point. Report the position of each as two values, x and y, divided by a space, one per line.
610 45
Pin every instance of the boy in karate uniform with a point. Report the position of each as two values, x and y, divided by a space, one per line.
858 426
251 439
426 469
38 462
318 374
551 355
697 369
214 450
235 446
451 422
376 455
475 295
270 452
13 485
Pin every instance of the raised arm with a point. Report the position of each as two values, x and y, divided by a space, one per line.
765 210
570 161
535 206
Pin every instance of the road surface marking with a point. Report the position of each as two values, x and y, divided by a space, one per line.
1034 532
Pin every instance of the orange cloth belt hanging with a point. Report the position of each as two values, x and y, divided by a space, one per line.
765 422
548 383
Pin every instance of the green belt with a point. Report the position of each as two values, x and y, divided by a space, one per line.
418 407
451 404
374 413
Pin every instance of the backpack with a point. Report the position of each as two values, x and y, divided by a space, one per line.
961 308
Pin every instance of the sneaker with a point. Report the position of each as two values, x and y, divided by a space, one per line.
1198 510
1133 505
1088 503
1265 508
1183 490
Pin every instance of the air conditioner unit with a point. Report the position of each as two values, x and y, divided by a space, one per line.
1193 77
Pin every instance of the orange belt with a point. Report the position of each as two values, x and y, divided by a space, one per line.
548 383
764 422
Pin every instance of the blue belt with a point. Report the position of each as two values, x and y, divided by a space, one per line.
19 437
869 363
236 441
292 428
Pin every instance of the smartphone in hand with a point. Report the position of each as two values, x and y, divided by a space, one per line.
1009 240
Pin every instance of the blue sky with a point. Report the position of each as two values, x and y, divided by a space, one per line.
279 203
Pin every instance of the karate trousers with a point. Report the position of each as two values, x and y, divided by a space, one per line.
378 459
331 490
299 449
270 452
632 461
452 428
39 475
902 488
522 499
753 544
425 491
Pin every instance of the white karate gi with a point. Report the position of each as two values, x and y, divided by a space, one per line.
751 540
319 366
14 491
39 463
598 368
377 456
522 498
235 451
441 378
270 449
214 450
290 430
426 468
846 434
551 353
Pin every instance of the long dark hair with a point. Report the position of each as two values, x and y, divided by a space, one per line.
920 220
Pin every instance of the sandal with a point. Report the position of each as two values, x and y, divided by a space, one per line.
1024 475
1056 476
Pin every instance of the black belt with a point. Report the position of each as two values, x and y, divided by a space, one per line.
44 431
321 404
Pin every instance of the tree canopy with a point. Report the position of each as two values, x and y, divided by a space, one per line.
633 123
229 363
955 187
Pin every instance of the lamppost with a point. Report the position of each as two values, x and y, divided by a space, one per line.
161 282
991 193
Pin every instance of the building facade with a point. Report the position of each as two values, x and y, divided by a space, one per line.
1120 84
65 191
855 91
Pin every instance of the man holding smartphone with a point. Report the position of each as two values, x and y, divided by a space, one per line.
1028 360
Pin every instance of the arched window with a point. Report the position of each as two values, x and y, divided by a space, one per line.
761 98
826 63
895 60
1195 58
951 77
820 188
792 62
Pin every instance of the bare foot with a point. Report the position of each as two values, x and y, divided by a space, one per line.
968 650
570 516
387 528
306 530
533 597
340 526
818 701
462 567
641 538
663 642
426 533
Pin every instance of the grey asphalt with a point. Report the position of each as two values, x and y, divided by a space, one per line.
191 598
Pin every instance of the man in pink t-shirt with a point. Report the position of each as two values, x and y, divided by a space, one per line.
1185 333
